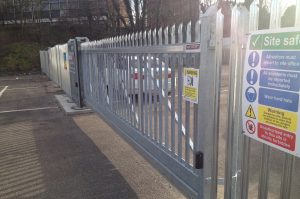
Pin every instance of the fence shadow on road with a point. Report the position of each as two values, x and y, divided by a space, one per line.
49 157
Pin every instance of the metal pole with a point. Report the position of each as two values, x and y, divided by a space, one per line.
264 173
235 149
206 136
245 167
275 20
297 17
286 181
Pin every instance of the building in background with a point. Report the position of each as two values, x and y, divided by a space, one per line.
51 11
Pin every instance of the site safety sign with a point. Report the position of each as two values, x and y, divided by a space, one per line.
271 85
191 84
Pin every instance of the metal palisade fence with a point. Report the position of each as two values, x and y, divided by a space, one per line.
55 64
249 173
136 82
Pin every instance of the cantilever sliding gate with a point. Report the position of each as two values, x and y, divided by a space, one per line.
136 83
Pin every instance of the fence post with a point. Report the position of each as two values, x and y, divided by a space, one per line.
286 180
234 160
297 17
206 136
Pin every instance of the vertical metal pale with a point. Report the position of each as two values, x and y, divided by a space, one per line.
141 39
275 18
254 15
166 33
189 32
149 37
180 35
136 39
173 34
207 122
286 181
234 159
275 21
172 107
297 20
154 37
145 38
160 36
197 31
132 39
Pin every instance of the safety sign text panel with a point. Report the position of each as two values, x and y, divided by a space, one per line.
271 85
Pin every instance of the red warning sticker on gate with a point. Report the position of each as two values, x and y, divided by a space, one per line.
277 136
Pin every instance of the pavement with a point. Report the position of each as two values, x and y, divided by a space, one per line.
45 153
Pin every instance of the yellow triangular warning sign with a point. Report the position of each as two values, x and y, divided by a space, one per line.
250 112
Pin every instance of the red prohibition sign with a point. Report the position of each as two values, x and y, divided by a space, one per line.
250 126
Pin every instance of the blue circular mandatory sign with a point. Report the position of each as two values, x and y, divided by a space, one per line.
251 94
253 59
252 77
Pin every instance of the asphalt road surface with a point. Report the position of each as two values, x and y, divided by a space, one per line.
46 154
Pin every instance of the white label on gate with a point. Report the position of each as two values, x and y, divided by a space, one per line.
271 85
190 84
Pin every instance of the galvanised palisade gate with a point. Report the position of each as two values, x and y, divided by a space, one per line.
127 80
135 83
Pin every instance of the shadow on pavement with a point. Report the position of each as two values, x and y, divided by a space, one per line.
45 155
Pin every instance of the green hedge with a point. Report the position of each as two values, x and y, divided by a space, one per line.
19 57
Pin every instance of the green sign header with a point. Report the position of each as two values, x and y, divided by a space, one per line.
275 41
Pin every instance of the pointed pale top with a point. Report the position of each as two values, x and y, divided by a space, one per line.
180 33
160 38
173 34
297 20
189 32
275 17
197 31
149 37
145 38
254 16
154 37
166 33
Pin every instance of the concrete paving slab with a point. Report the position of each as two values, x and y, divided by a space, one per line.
69 106
140 175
